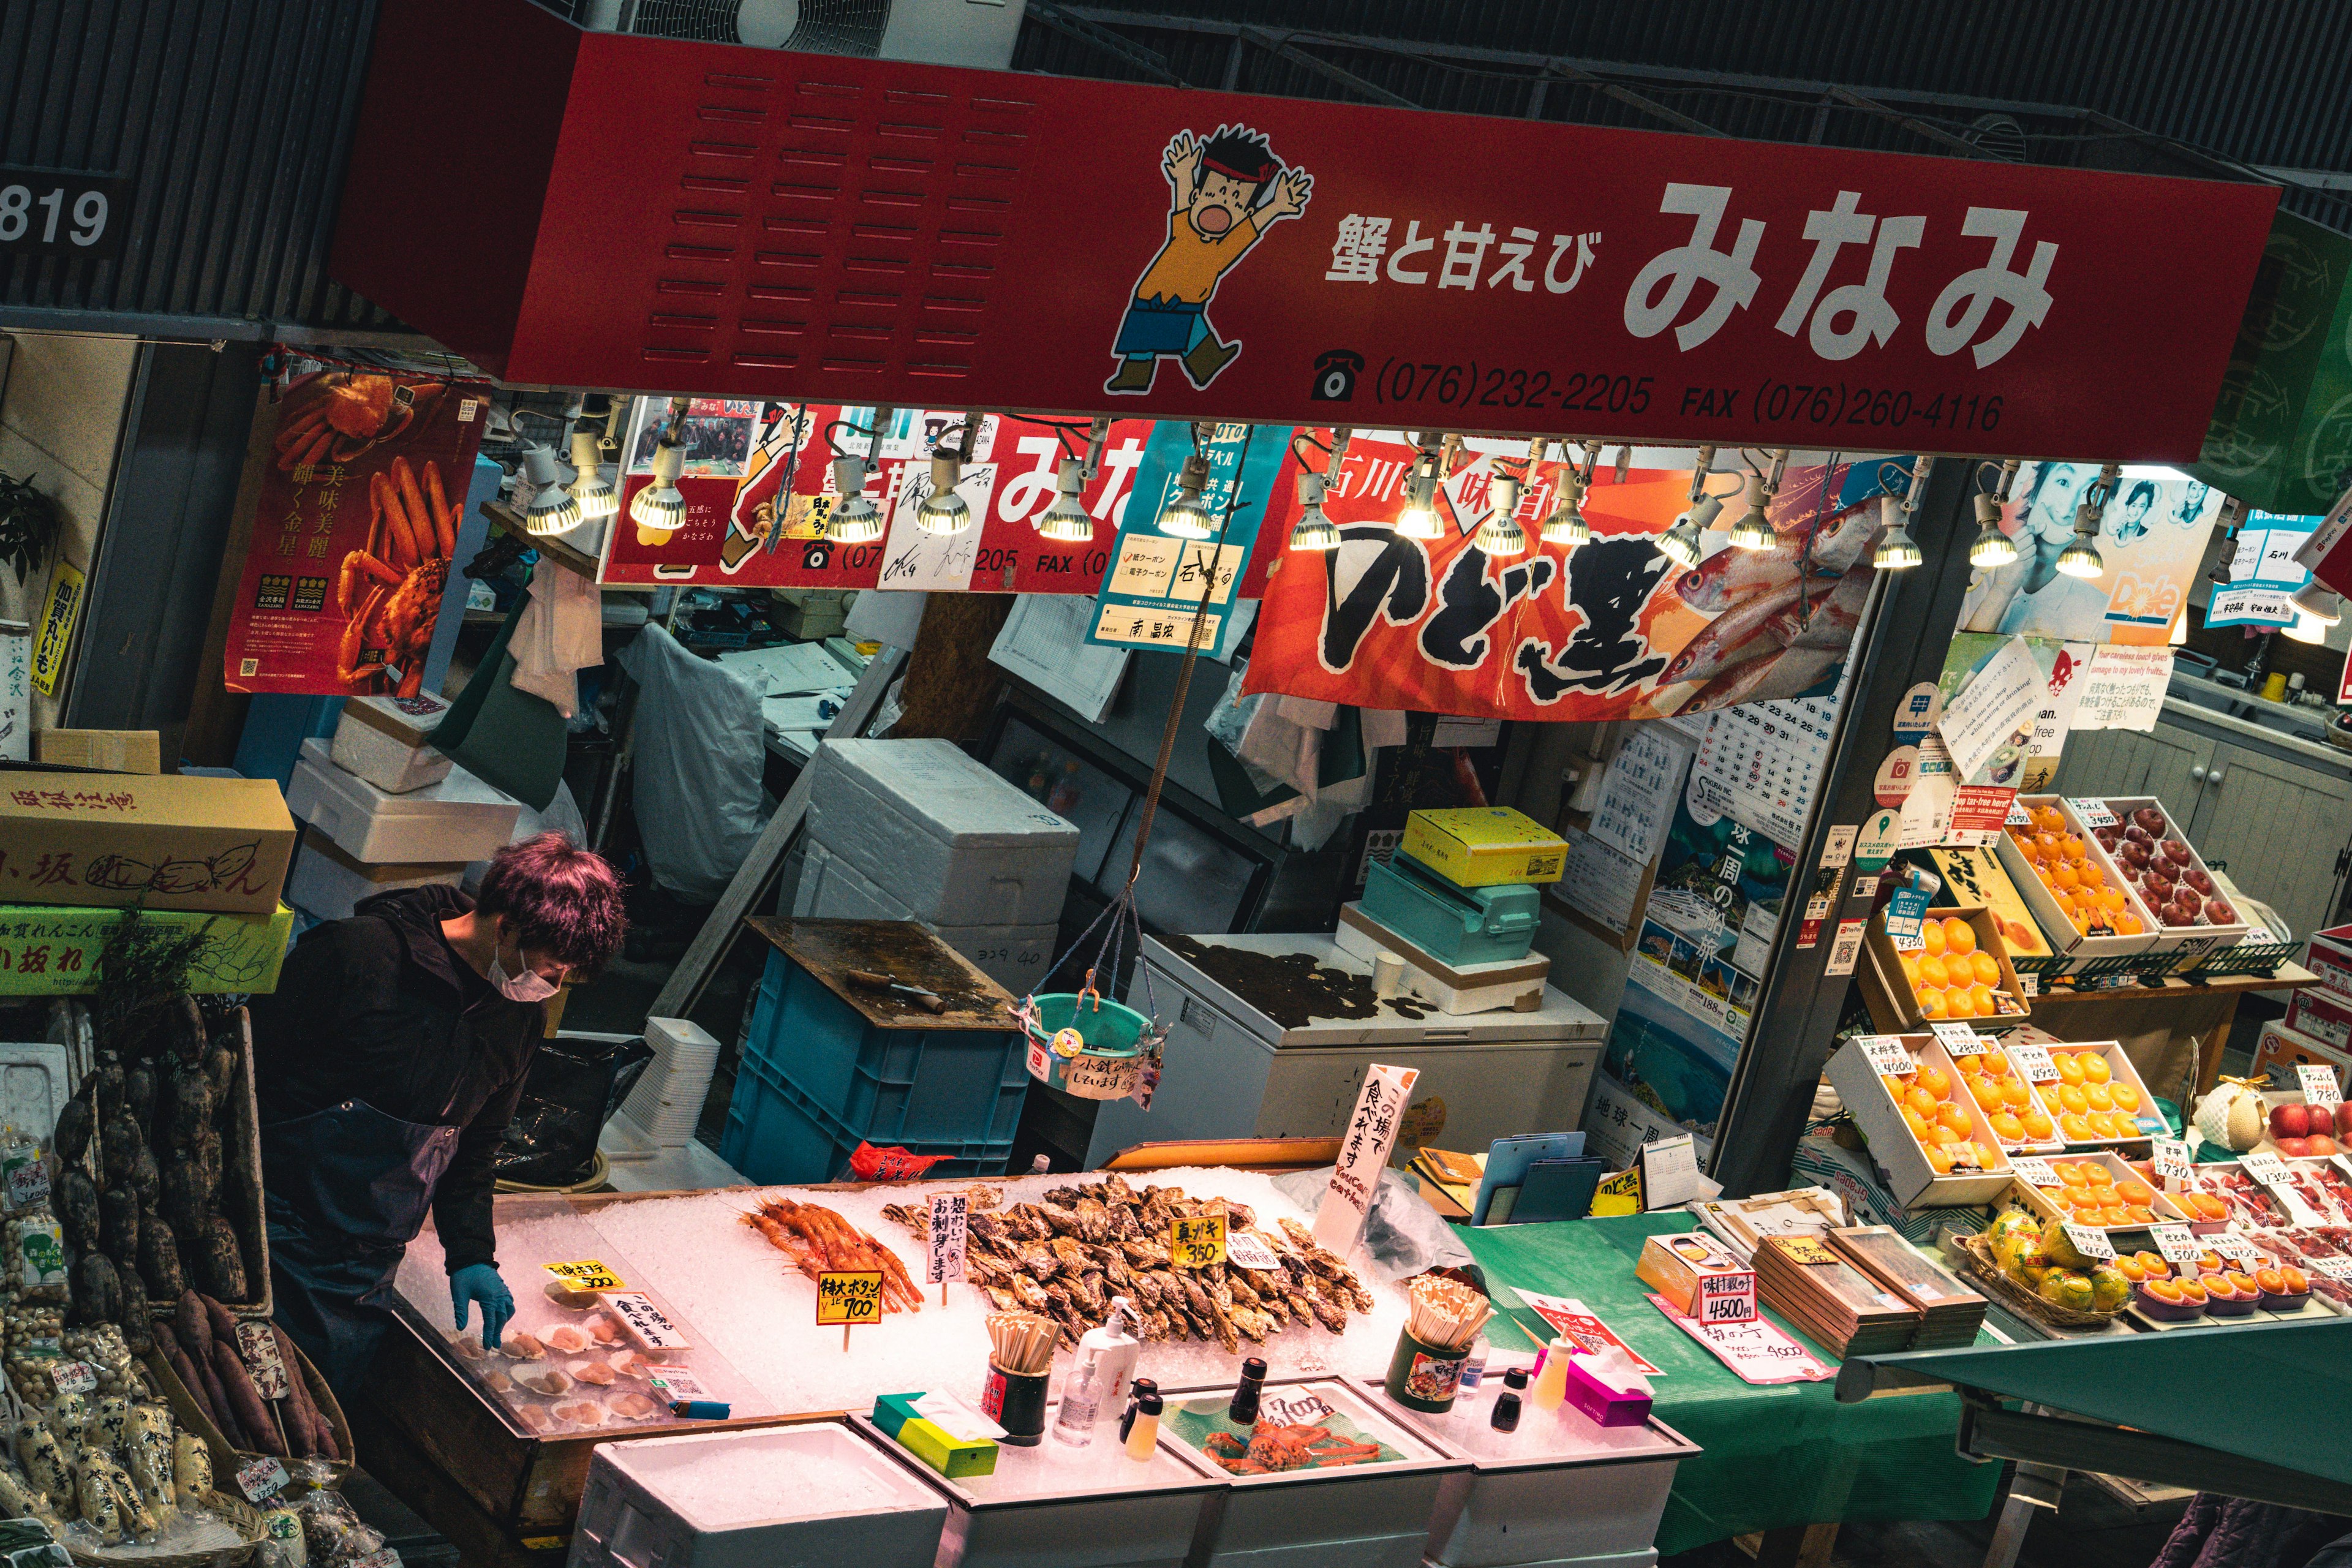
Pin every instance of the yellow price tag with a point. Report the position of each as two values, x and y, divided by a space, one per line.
586 1274
1618 1195
1804 1249
1197 1242
848 1296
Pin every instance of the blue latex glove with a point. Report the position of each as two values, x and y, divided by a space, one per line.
480 1282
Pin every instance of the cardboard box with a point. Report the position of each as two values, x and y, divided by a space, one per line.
2324 1016
167 842
1894 1005
2330 958
2280 1049
1484 846
46 951
116 750
1672 1265
1909 1177
2189 942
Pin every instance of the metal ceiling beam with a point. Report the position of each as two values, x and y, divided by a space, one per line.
1917 127
1149 61
1627 95
1283 48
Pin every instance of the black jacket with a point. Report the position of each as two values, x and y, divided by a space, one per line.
380 1007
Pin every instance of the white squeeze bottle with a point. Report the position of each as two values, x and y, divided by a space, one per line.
1552 1384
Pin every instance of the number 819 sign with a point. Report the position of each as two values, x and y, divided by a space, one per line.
44 212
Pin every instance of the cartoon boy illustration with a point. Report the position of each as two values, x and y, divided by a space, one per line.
1227 193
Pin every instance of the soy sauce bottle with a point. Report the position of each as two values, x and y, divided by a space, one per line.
1242 1412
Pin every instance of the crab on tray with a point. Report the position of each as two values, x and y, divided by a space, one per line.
1273 1447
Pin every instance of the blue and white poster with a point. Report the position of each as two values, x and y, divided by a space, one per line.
1152 593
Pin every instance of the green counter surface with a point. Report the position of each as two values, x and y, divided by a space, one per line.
1784 1454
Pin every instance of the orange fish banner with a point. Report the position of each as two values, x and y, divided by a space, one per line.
1611 629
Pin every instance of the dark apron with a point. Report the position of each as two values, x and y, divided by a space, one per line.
348 1188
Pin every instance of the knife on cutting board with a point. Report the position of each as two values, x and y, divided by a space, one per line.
929 1000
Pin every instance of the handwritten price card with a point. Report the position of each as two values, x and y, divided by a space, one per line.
848 1296
1198 1241
586 1274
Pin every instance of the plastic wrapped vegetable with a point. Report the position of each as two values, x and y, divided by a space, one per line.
282 1544
192 1469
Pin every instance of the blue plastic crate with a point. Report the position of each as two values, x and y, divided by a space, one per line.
889 1086
776 1136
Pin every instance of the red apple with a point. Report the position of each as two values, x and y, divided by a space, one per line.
2149 817
2290 1120
2138 835
2199 880
2107 840
2294 1148
2135 853
2219 911
2176 851
2344 1121
2320 1145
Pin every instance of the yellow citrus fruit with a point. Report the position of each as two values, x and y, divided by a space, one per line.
1920 1101
1932 971
1954 1115
2126 1097
1940 1158
1931 937
2038 1125
1986 968
1958 936
2094 1068
2015 1094
1959 1003
1985 1091
1910 970
1931 1004
2073 1098
2071 1173
2069 1066
2100 1096
1917 1122
2008 1128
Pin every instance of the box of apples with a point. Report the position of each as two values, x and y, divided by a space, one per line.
2194 918
2301 1131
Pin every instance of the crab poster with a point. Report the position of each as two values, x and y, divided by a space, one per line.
353 533
1610 630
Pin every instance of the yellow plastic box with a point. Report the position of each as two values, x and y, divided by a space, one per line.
1484 846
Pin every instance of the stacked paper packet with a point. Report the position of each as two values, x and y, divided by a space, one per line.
1839 1307
667 1099
1950 1313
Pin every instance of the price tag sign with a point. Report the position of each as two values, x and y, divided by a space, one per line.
1727 1299
1887 1056
2033 1172
1197 1241
646 1323
2176 1243
1802 1248
2091 1242
1958 1040
2334 1267
29 1183
258 1347
673 1384
2033 1064
1245 1250
2018 815
2092 813
2171 1161
1904 914
2265 1167
587 1275
947 1238
846 1296
2235 1249
2028 985
1301 1410
74 1377
264 1477
2319 1086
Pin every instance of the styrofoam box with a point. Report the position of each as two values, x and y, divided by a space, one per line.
776 1497
320 886
384 740
459 819
925 823
1015 957
667 1100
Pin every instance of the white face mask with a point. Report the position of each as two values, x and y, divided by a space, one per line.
526 987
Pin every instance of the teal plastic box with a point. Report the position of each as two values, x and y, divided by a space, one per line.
1454 925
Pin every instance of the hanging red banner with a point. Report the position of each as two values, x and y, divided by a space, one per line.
1610 630
353 533
669 216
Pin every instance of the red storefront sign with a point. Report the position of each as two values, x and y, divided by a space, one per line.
353 530
670 215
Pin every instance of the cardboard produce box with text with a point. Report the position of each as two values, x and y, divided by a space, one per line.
166 842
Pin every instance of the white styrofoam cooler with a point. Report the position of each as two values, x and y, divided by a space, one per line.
667 1100
1015 957
650 1503
459 819
925 823
327 883
1232 1071
385 740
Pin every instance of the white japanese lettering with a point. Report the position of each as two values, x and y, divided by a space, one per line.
1356 253
1683 267
1978 287
1560 245
1413 245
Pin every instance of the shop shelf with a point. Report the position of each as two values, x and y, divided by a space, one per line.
777 1135
889 1085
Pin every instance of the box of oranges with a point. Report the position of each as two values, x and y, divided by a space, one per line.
2090 1091
2079 897
1926 1130
2098 1190
1959 971
1975 876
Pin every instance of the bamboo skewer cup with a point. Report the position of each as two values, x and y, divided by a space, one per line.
1020 1365
1425 1371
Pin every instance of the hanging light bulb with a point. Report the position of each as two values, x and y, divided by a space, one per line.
2318 601
590 488
660 505
1313 531
551 508
1566 526
857 521
943 512
1898 551
1682 543
1990 547
1754 529
1066 521
1419 518
1187 516
2081 557
1500 535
